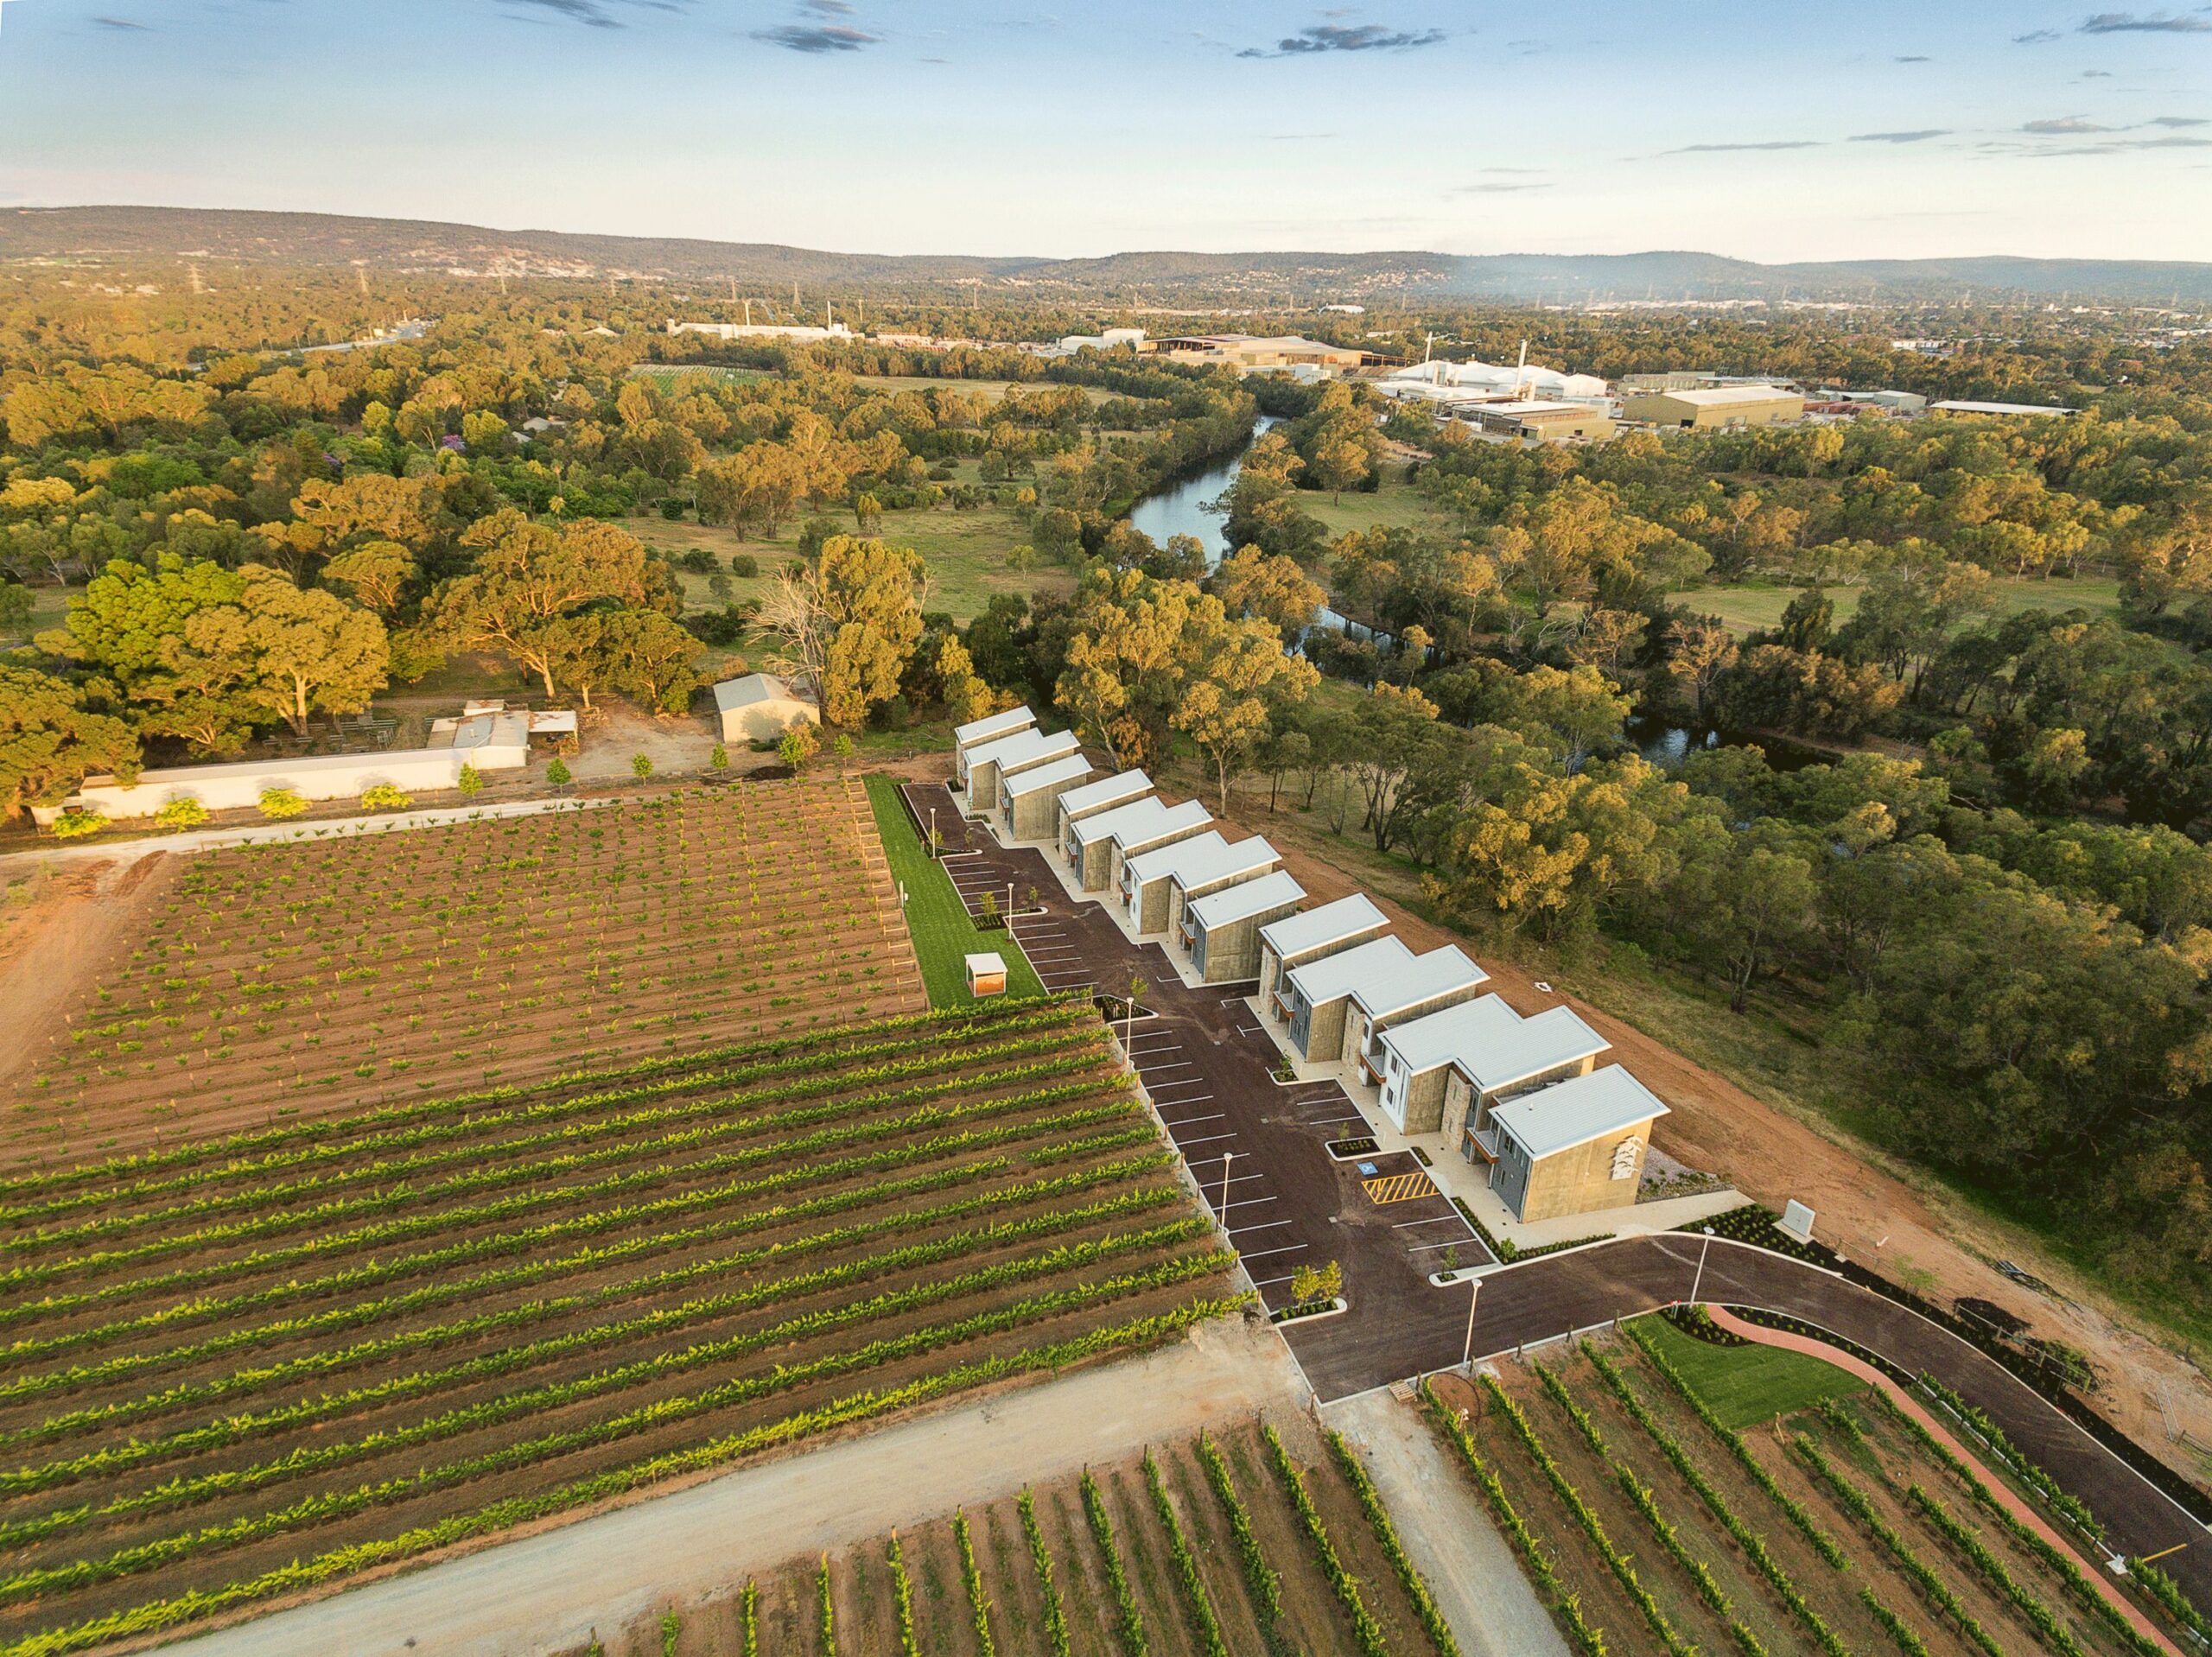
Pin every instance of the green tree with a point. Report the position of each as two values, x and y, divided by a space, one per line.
853 617
293 650
50 742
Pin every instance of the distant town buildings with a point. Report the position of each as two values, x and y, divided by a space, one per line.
762 330
1712 408
1967 406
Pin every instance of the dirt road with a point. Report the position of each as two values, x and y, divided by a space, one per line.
73 915
550 1591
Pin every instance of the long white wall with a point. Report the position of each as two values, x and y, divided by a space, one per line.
322 777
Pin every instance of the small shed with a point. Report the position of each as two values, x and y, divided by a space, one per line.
977 731
1222 929
1029 800
985 975
1103 794
1296 939
1443 1072
1574 1148
759 707
990 763
1098 846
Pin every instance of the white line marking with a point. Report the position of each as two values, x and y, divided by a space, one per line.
1192 1121
1262 1253
1264 1225
1211 1139
1438 1220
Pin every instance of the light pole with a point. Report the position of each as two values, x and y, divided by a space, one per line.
1227 1157
1698 1281
1467 1353
933 851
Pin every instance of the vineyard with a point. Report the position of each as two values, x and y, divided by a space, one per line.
1219 1546
333 972
246 1365
1649 1524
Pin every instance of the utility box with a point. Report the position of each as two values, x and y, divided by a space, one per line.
1797 1221
985 975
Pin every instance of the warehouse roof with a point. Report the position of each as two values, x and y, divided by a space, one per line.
1055 772
1719 396
1557 1119
996 724
1234 904
1023 748
1967 406
1142 823
1117 789
1317 929
1492 1043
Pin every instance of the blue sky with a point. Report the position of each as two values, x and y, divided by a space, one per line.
1774 131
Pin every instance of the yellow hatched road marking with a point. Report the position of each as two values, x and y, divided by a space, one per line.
1399 1188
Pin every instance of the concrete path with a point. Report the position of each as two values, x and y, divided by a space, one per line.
1478 1583
549 1591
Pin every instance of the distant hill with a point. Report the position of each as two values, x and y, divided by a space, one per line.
123 234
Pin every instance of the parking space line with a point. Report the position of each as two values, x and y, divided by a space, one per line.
1427 1248
1210 1139
1192 1121
1262 1253
1438 1220
1264 1225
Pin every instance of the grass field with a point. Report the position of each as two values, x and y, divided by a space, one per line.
1649 1524
334 971
1140 1557
671 376
942 933
1395 506
1746 1385
247 1366
1753 606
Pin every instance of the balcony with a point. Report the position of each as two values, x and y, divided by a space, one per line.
1485 1142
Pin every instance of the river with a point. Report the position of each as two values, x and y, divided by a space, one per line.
1186 506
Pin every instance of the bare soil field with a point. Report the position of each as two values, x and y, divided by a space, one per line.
1097 1562
1649 1525
257 985
248 1367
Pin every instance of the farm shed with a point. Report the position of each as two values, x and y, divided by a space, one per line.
1336 1004
1029 800
1156 886
1443 1071
1221 930
1297 939
991 763
966 738
1574 1148
1092 798
759 707
1096 846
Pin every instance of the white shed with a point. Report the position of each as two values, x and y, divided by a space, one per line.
759 707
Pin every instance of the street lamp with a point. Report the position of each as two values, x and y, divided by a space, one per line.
1467 1353
1698 1281
1227 1157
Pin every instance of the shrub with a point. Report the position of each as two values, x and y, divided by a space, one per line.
470 781
641 765
385 797
281 803
78 825
718 758
744 563
185 813
557 773
798 744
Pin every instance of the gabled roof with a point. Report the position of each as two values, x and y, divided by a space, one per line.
1117 789
1422 979
1047 775
753 688
1161 860
1317 929
993 726
1142 823
1336 975
1491 1043
1233 903
1023 748
1557 1119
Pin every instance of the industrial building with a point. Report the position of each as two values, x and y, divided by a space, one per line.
1156 887
1714 407
1968 406
966 738
1098 846
1441 1073
1539 422
1527 380
1029 800
759 707
1249 351
991 763
1572 1148
1221 931
1122 787
800 333
1296 939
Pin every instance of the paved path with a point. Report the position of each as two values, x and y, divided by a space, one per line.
549 1591
1789 1341
1477 1581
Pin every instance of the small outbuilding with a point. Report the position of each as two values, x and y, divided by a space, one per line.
1157 887
1296 939
759 707
1443 1072
1029 800
1104 795
991 763
1221 930
985 975
1098 845
977 731
1574 1148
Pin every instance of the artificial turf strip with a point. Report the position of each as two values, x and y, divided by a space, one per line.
936 918
1746 1385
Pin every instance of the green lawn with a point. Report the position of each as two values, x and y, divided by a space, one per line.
1395 506
1753 606
936 918
1746 1385
669 376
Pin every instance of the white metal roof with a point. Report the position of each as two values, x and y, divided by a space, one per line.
1162 861
1336 975
1317 929
1142 823
753 688
1495 1045
1197 871
1557 1119
1023 748
1422 979
1967 405
1117 789
1234 904
1720 396
1046 776
993 726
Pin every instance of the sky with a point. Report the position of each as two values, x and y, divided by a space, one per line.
1776 129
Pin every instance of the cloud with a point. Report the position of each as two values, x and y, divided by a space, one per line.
1337 37
817 38
590 13
2039 37
828 8
120 22
2096 74
1912 59
2177 121
2061 125
1727 149
1497 189
1919 135
2127 22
